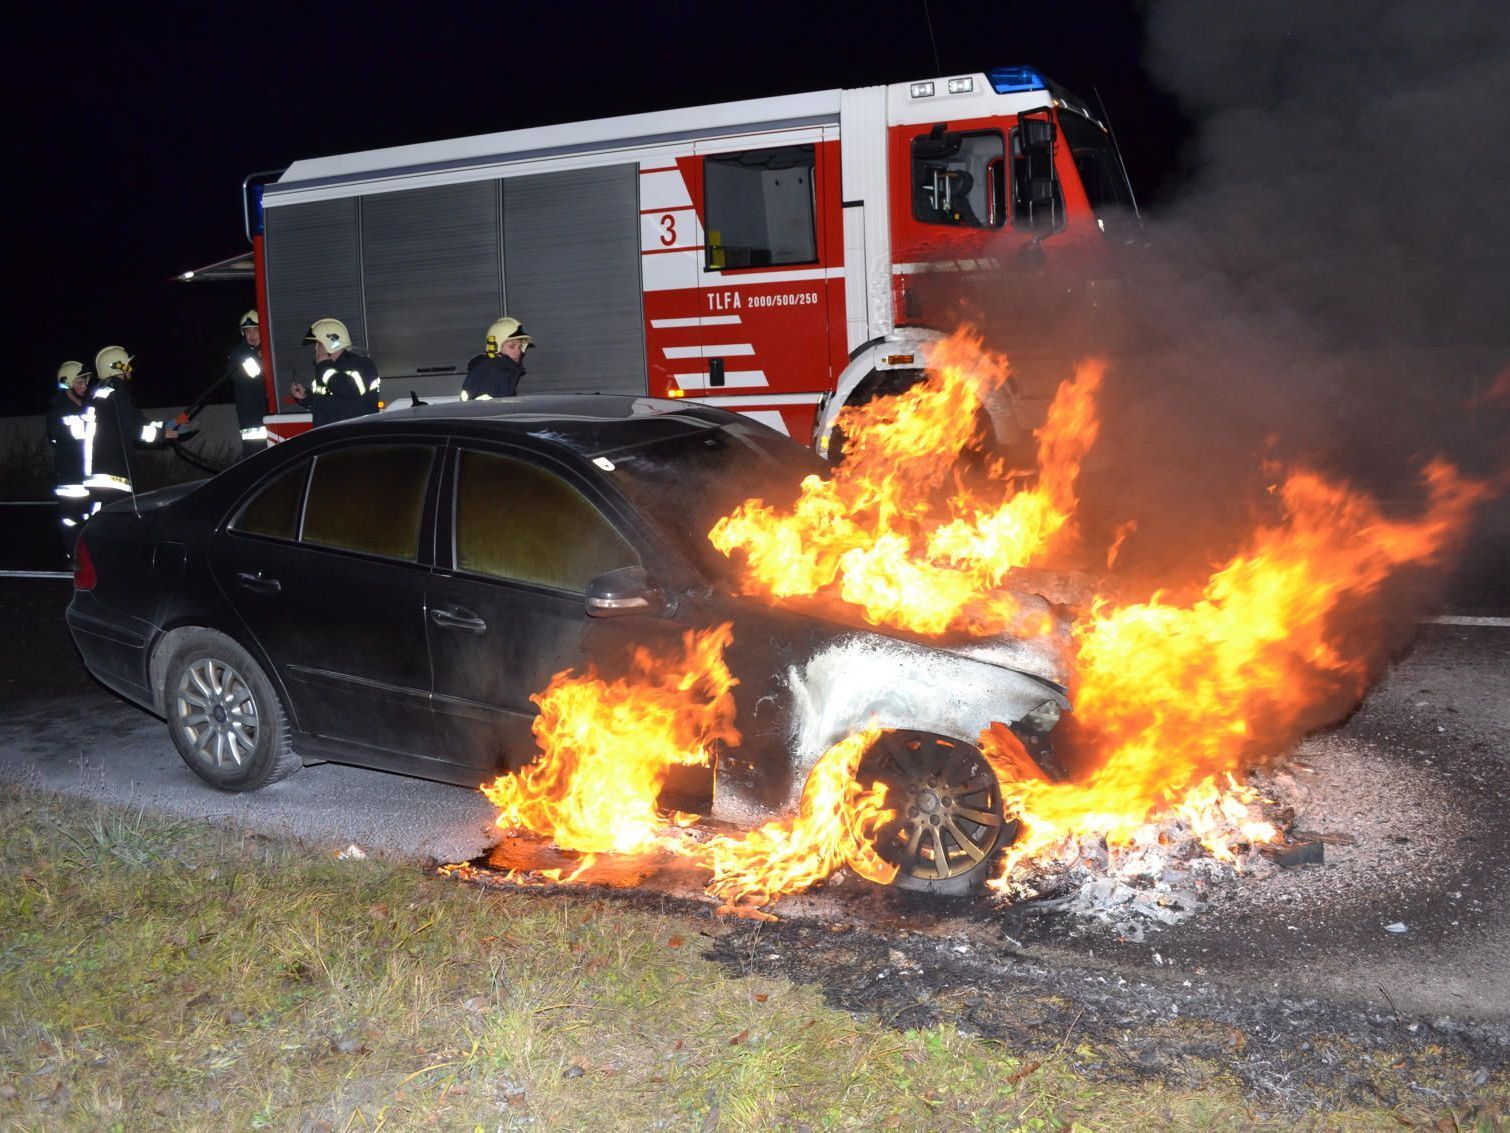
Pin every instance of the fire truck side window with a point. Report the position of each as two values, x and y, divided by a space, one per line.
522 523
959 179
760 208
341 510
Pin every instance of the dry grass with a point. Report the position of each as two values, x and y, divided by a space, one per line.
168 975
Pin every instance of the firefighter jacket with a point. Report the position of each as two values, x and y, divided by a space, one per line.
66 431
343 387
491 377
113 430
244 371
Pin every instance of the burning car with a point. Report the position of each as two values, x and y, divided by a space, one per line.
394 592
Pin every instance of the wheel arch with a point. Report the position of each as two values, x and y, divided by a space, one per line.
872 361
869 360
835 694
170 641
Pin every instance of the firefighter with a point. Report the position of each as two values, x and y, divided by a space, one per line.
65 430
243 369
346 383
497 370
114 429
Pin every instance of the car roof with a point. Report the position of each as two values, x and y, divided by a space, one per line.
588 424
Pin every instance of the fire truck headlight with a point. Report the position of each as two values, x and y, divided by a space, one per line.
961 86
921 90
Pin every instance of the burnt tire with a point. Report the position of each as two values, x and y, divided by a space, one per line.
949 827
224 716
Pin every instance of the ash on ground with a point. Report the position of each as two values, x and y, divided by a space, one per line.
1165 874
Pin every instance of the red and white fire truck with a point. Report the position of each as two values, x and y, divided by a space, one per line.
756 254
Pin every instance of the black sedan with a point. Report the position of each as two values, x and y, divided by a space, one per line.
389 592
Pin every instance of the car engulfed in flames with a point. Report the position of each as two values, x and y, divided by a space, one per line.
921 741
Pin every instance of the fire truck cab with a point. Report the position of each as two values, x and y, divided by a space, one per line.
757 255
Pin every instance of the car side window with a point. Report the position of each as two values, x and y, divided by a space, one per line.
520 522
274 510
369 499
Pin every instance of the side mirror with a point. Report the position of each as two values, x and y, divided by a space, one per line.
627 590
1036 131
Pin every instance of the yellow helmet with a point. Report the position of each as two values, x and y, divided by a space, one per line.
68 371
332 333
504 330
112 362
250 319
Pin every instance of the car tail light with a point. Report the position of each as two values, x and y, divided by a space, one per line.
84 577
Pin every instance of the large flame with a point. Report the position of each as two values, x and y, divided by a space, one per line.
1175 696
896 530
836 825
1283 638
607 747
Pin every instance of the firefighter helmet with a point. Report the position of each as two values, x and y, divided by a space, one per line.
112 362
250 319
506 330
330 333
69 372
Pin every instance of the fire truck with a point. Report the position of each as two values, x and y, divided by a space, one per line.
759 255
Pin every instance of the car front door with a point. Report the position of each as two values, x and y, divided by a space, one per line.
327 566
507 602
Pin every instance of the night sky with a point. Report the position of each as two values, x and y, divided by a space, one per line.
132 127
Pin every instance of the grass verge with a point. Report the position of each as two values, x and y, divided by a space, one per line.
156 974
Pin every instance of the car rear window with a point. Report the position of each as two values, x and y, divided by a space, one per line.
520 522
274 510
369 499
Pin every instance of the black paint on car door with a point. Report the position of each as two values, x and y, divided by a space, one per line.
327 565
507 606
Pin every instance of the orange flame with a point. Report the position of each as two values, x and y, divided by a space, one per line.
896 531
1283 639
607 747
1175 697
836 825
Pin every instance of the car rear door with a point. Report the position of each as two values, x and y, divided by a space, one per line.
521 536
327 565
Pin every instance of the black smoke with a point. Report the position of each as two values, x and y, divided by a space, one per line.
1332 285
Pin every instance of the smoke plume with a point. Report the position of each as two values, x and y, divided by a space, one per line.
1331 286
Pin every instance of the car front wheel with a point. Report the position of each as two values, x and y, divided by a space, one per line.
948 825
224 717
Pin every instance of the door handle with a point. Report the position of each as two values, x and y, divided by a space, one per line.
454 617
257 584
715 371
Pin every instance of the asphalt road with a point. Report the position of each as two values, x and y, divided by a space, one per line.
62 731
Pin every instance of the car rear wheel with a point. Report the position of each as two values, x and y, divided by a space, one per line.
224 717
949 825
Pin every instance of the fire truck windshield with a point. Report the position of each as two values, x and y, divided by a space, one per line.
1096 160
685 485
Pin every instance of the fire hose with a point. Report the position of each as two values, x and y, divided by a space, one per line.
188 414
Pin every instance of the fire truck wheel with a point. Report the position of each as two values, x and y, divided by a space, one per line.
949 825
224 717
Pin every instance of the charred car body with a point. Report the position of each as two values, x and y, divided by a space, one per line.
389 592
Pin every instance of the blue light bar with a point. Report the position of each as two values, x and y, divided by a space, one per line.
1008 80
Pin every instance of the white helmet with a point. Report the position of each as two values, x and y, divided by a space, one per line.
250 319
69 371
113 362
332 333
505 330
